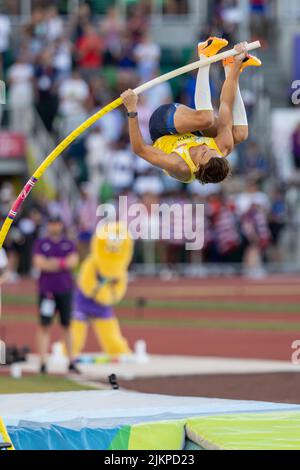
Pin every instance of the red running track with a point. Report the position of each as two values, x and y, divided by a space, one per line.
182 341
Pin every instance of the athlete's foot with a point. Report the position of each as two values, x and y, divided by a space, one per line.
249 61
211 46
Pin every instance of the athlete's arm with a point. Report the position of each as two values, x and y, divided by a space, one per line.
72 260
173 164
52 264
43 263
224 138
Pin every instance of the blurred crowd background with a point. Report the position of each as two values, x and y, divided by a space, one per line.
64 60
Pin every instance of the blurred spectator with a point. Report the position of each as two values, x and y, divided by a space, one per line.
60 207
145 111
137 22
252 196
112 125
231 15
55 257
256 232
253 163
159 94
149 182
5 32
21 94
112 28
73 94
54 24
125 58
47 100
7 196
97 159
62 58
226 233
99 91
3 270
28 227
121 168
173 251
296 146
86 217
36 31
259 19
147 56
81 18
89 51
3 273
146 247
175 7
277 220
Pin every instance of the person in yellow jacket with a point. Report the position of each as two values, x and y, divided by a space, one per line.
102 283
191 144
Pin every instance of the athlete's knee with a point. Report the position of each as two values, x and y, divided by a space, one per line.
240 134
206 119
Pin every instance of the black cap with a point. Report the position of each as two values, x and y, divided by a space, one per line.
54 218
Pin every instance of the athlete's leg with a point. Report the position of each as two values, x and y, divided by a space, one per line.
240 133
191 120
240 121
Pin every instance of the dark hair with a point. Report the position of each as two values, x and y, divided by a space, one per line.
215 171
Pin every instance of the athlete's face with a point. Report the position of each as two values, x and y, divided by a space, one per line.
203 154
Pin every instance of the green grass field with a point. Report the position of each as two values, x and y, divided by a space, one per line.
39 384
273 313
198 305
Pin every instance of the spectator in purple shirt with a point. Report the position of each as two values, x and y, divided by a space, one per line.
55 256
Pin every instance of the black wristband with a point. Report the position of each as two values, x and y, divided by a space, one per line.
132 114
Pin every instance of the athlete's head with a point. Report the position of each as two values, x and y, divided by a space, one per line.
211 167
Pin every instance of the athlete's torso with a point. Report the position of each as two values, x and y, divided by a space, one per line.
181 144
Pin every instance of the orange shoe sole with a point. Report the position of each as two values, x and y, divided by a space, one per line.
249 61
212 46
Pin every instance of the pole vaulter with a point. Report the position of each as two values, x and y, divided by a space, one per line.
99 114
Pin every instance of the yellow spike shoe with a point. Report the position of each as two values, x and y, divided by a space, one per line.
212 46
249 61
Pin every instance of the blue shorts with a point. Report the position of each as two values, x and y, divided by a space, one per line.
162 121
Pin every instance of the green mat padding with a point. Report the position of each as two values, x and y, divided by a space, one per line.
162 435
252 431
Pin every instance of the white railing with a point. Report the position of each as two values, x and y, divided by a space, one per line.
59 172
27 121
